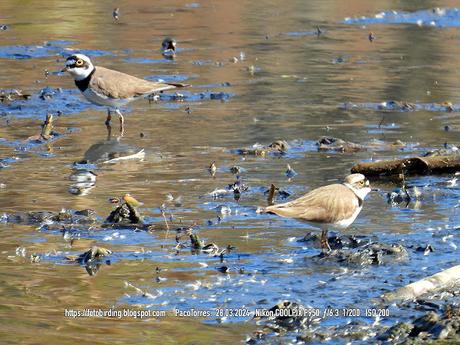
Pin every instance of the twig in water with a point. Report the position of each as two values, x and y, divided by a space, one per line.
271 195
166 222
381 121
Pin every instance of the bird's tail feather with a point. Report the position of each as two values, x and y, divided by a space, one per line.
178 84
261 209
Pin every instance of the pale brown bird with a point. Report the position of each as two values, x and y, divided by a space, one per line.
336 205
110 88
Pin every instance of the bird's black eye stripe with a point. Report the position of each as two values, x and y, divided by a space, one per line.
73 62
70 62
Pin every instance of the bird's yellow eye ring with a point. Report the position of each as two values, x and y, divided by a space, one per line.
79 62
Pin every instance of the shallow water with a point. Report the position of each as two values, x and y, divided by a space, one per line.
300 88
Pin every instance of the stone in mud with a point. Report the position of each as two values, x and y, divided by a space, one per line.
125 213
335 241
86 216
405 194
397 105
446 326
210 248
218 95
237 188
396 333
235 169
276 147
424 324
279 145
48 93
338 145
378 254
89 213
62 217
92 254
278 193
35 258
65 216
288 316
369 254
30 218
195 241
447 150
92 259
427 249
429 328
13 95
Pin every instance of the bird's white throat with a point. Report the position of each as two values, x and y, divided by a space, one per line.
80 73
360 192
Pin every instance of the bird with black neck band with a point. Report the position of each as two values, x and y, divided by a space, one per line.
335 205
110 88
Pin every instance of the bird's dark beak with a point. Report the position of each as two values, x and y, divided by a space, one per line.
65 69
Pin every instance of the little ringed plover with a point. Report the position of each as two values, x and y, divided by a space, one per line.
335 205
110 88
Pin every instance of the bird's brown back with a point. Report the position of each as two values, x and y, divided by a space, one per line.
328 204
114 84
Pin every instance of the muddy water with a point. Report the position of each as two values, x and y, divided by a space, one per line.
288 83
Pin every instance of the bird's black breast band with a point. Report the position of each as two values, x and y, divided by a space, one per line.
83 84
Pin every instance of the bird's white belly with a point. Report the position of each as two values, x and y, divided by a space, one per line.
345 223
99 99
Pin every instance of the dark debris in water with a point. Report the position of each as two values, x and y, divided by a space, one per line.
195 97
235 189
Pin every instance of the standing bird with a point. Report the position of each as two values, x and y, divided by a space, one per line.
116 13
336 205
371 37
106 87
168 48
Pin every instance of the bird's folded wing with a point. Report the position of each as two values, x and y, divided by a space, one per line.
114 84
327 204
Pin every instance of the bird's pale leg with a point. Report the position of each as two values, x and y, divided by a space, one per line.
109 118
324 241
122 122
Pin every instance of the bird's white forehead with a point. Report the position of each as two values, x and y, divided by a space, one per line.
74 57
354 178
